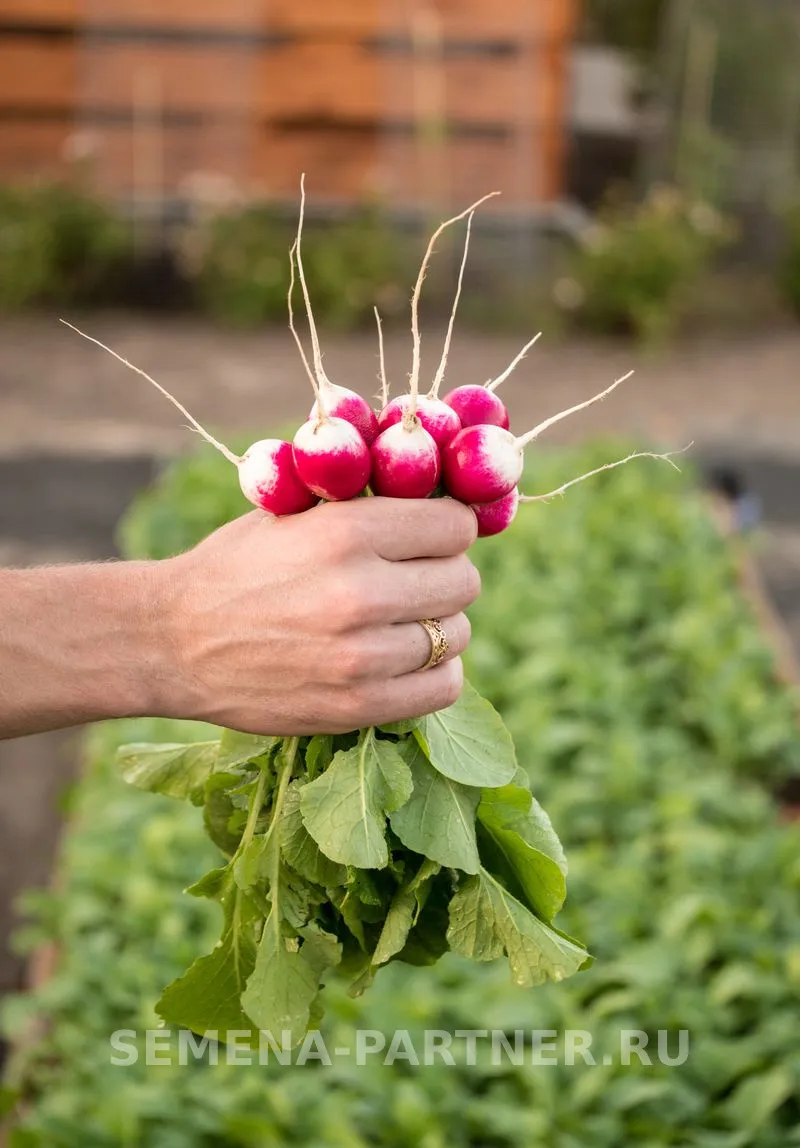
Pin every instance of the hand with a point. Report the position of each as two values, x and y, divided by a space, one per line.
309 624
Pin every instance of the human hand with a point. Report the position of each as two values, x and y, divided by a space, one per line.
309 624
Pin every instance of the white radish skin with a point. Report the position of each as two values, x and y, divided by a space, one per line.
405 462
495 517
332 459
342 403
481 464
269 479
439 420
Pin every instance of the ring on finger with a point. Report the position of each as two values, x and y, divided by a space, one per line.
440 646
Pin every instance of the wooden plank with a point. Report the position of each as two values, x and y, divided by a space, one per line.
36 73
349 165
324 79
230 15
30 149
45 12
464 19
201 78
346 80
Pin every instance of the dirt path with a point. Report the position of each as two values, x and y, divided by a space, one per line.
58 392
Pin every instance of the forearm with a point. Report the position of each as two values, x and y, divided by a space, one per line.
81 643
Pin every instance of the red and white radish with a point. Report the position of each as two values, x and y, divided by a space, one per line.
439 420
495 517
331 399
483 463
477 406
268 475
332 458
269 479
405 462
342 403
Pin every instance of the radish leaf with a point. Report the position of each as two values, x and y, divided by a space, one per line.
486 921
438 820
174 770
468 742
345 808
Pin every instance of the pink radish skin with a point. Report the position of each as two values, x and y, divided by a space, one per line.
477 406
481 464
405 462
342 403
332 459
269 479
440 421
495 517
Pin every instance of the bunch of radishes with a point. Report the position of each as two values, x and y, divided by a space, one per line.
416 446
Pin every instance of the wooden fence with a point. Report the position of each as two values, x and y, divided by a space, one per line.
385 98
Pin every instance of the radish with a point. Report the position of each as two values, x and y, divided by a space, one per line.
268 475
483 463
477 406
439 420
495 517
269 478
342 403
331 399
332 459
405 456
405 462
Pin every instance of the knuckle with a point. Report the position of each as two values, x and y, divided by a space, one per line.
352 662
346 534
350 707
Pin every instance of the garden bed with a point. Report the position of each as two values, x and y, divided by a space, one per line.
640 687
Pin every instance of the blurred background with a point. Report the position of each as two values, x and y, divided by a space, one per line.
648 155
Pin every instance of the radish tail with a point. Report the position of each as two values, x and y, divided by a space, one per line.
415 361
224 450
537 430
322 378
384 381
599 470
493 384
437 382
293 329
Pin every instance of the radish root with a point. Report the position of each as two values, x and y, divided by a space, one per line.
384 381
608 466
322 378
293 329
433 393
411 413
543 426
493 384
195 425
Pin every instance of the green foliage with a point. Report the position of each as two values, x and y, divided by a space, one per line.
58 244
612 637
789 274
637 263
300 847
241 263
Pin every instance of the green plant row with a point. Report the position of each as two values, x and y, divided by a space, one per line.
641 697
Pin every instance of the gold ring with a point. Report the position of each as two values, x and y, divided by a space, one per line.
439 643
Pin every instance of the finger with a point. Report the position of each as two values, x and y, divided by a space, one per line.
411 695
406 647
419 528
426 588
